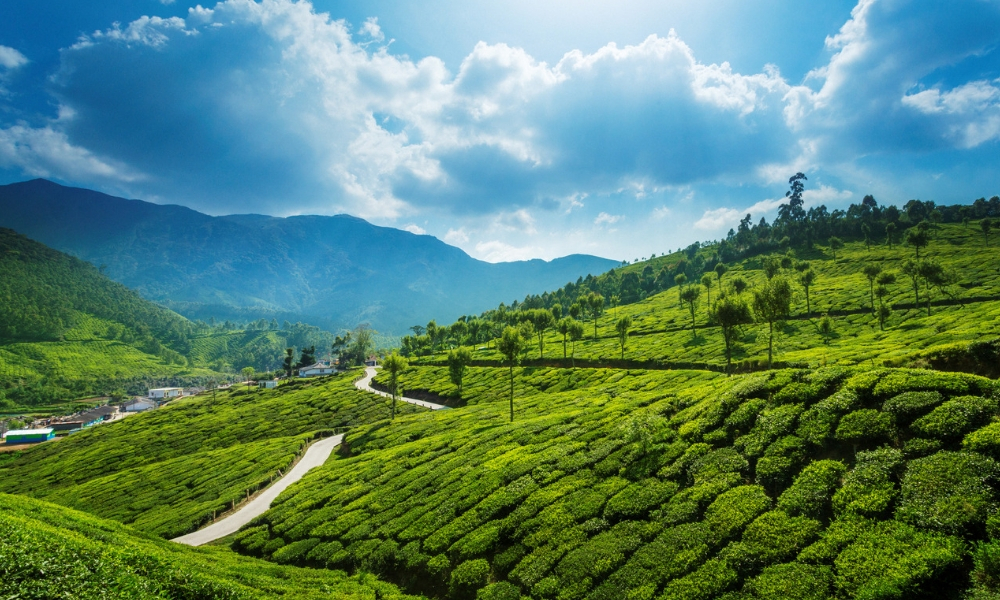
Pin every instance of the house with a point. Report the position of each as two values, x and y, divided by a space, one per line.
85 419
29 436
164 393
138 405
267 384
372 361
320 368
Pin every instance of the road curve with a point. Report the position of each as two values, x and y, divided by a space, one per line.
315 456
365 384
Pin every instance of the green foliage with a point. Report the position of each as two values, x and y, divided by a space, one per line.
951 492
909 405
735 509
813 490
866 426
955 417
985 440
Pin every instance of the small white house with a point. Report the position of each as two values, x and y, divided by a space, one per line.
164 393
267 384
320 368
139 405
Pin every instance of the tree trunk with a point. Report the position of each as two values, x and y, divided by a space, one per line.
808 306
512 393
770 342
564 347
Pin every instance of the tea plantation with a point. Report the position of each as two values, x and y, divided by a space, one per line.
836 482
47 551
168 471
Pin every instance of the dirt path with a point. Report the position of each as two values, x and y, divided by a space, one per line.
365 384
315 456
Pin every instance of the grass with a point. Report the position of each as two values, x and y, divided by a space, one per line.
169 471
47 551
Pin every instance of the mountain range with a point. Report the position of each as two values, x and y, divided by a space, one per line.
332 271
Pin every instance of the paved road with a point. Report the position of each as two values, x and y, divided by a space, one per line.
364 384
315 456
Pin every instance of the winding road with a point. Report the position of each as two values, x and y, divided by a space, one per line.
315 456
365 384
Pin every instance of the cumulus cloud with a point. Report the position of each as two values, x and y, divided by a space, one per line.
605 219
46 152
497 251
11 58
414 228
456 236
721 219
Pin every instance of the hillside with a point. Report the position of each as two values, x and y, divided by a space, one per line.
334 272
47 551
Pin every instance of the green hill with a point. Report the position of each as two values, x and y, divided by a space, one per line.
47 551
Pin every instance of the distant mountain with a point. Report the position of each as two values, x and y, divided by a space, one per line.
332 271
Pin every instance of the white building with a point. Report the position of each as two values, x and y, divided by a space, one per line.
164 393
320 368
267 384
139 405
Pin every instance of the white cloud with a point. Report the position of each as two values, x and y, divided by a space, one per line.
45 152
11 58
605 219
372 30
497 251
456 236
718 218
413 228
661 212
519 220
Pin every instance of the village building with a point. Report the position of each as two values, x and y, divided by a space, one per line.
85 419
320 368
29 436
138 405
165 393
267 384
372 361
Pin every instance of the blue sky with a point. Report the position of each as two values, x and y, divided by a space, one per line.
513 130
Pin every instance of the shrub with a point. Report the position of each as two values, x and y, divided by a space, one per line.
499 591
865 426
294 552
791 581
810 495
920 447
734 509
985 440
771 424
468 577
773 537
949 492
781 459
743 418
894 560
710 580
869 490
638 499
955 417
716 462
910 405
986 565
798 393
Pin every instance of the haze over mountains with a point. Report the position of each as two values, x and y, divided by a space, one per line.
334 271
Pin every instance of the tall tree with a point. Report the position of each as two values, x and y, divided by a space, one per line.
690 297
890 234
510 346
458 363
248 375
918 238
720 270
934 276
911 269
771 266
883 281
307 357
871 271
771 303
835 244
706 280
289 361
622 327
596 304
681 279
563 327
807 278
575 335
986 225
731 313
394 364
541 320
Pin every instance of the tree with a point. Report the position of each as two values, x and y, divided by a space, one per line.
771 266
615 301
557 311
866 231
890 234
394 364
418 330
596 304
541 320
835 244
681 279
247 375
706 280
622 327
510 346
986 225
739 285
912 270
918 238
289 360
364 344
308 357
883 281
807 278
340 344
826 328
575 310
770 304
731 313
935 276
563 327
690 296
458 363
720 270
871 271
575 335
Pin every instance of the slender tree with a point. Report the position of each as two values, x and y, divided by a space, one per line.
871 271
510 346
575 335
835 244
622 327
934 276
394 364
681 279
289 361
690 296
706 280
732 314
596 304
739 285
771 266
542 320
563 327
890 234
458 363
883 281
807 278
986 225
248 375
918 238
720 270
911 269
771 303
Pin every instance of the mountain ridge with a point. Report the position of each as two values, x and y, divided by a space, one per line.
334 271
